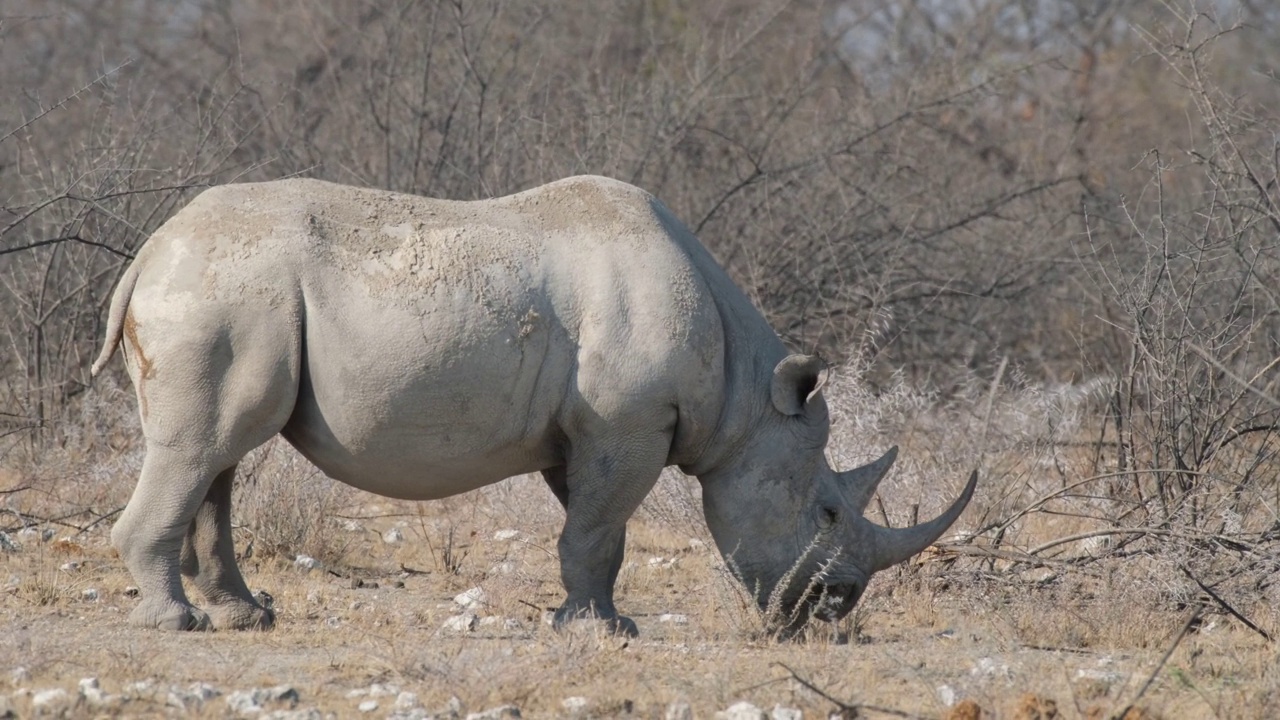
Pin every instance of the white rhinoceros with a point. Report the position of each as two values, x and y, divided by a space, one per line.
419 348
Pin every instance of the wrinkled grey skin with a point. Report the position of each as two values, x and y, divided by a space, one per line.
420 348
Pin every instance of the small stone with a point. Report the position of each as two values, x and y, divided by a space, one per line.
73 566
131 591
333 621
407 701
393 536
989 666
8 544
51 702
47 534
678 710
497 713
464 623
306 562
947 695
399 584
503 568
352 526
471 599
741 711
673 618
92 692
89 594
781 712
696 544
504 535
574 704
368 706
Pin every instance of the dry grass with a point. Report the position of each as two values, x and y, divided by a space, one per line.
1072 631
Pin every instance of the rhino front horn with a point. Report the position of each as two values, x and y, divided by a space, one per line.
894 545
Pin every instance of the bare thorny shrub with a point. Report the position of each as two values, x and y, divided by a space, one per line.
920 199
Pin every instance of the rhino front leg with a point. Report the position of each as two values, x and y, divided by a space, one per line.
149 537
209 559
600 491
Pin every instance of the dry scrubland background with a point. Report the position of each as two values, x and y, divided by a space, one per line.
1039 237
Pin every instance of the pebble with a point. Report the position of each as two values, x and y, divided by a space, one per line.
407 701
472 598
464 623
781 712
89 594
575 704
393 536
53 701
252 702
673 618
508 534
741 711
368 706
92 692
72 566
8 544
497 713
306 562
678 710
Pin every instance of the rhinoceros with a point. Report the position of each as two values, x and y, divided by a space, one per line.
418 348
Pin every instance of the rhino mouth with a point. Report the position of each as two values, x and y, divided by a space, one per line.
833 602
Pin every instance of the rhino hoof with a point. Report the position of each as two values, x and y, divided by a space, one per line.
616 625
242 616
170 616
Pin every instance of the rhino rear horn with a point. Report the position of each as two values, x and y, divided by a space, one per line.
796 379
860 483
894 545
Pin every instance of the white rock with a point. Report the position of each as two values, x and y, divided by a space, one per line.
696 544
781 712
407 701
575 704
377 690
678 710
368 706
497 713
471 599
741 711
352 526
306 562
89 594
50 701
673 618
393 536
505 567
333 621
989 666
72 566
947 695
253 702
504 535
464 623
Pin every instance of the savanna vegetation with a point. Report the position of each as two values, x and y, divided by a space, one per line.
1038 238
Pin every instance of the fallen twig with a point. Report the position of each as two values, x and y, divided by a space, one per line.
1223 604
1186 627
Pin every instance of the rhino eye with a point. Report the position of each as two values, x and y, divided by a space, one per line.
827 517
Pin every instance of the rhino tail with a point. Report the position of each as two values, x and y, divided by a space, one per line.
115 316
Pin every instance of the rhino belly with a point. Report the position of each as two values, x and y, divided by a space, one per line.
426 402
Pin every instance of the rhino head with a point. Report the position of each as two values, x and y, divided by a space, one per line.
790 525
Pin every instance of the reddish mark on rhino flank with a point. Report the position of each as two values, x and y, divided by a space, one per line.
145 368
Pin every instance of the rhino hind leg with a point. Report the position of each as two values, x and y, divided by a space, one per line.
600 490
149 536
208 558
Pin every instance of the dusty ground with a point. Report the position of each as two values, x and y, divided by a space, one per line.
922 642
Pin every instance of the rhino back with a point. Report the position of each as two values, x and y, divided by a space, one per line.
446 344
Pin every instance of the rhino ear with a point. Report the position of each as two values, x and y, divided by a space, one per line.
795 381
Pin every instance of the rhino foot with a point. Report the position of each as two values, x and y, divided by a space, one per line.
241 615
616 625
170 616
